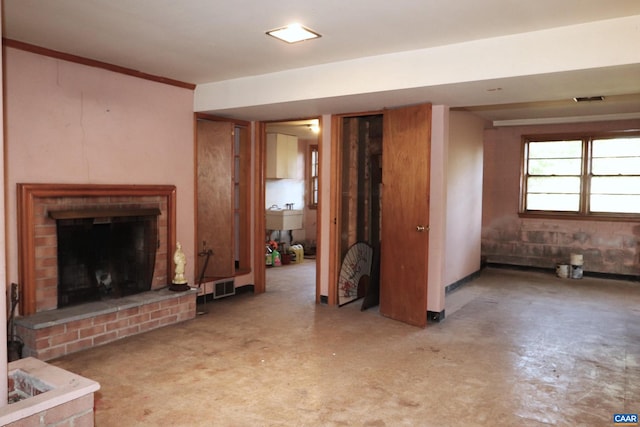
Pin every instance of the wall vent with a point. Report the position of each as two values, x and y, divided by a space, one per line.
588 98
223 289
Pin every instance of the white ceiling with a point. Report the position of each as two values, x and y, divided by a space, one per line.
205 41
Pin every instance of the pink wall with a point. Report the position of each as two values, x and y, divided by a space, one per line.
437 207
464 196
608 247
3 265
70 123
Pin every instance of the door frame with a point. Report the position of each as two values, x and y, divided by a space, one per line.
335 209
260 166
335 199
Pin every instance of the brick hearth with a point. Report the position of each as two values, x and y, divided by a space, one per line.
54 333
49 332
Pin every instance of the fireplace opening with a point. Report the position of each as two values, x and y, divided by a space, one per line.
105 254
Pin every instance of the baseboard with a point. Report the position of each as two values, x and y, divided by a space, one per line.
625 277
435 316
516 267
596 274
245 289
459 283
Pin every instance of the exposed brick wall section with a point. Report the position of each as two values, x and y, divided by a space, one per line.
49 342
607 247
75 413
46 249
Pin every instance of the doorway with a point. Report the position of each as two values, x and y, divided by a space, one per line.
360 175
291 199
402 207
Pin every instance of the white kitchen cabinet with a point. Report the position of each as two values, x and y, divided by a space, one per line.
282 153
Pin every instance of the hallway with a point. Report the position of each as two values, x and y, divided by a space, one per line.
516 348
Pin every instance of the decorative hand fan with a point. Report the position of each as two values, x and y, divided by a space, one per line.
355 265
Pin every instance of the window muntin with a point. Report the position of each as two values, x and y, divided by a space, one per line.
582 176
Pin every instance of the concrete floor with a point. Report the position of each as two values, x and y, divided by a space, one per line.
516 348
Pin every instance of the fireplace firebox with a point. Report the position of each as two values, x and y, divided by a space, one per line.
104 254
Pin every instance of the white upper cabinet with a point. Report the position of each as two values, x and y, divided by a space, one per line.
282 153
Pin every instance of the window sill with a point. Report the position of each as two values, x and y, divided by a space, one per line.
579 217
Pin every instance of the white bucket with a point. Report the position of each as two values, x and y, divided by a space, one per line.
576 266
576 272
562 271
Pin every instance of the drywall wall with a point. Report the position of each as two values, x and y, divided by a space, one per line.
464 196
437 207
70 123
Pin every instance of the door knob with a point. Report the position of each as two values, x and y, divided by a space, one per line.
421 228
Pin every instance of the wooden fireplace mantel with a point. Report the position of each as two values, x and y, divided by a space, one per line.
102 213
28 193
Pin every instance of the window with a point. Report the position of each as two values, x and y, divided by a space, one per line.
586 176
313 176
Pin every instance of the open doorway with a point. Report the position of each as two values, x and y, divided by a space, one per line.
291 202
360 174
397 218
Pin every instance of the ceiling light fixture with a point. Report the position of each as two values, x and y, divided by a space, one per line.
293 33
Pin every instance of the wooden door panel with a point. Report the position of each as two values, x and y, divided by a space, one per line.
215 197
405 206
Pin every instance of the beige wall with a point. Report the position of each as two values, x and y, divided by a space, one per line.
70 123
464 196
608 247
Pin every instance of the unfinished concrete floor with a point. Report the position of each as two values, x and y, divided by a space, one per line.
516 348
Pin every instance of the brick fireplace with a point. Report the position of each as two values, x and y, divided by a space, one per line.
49 331
37 238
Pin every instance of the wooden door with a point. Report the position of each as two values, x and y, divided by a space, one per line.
405 214
215 201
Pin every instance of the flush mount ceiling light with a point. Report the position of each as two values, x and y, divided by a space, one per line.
293 33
